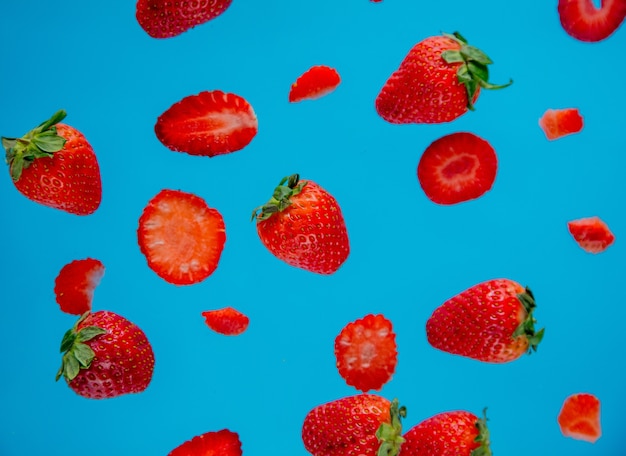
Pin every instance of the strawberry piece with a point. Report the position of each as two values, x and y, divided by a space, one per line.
220 443
557 123
457 167
366 352
75 284
582 20
579 417
181 237
316 82
209 124
227 321
591 234
166 19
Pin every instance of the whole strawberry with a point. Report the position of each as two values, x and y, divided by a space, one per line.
105 355
439 80
54 165
302 225
491 322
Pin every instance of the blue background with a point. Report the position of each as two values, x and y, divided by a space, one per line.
408 254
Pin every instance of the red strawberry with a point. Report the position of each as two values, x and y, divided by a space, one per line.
457 433
366 352
579 417
438 81
584 21
592 234
557 123
227 321
75 284
316 82
302 225
105 355
209 124
165 18
457 167
491 322
54 165
181 237
220 443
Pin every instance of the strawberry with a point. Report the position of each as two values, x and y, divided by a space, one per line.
316 82
105 355
227 321
491 322
439 80
75 284
582 20
220 443
457 167
302 225
557 123
579 417
181 237
366 352
166 18
209 124
54 165
456 433
591 234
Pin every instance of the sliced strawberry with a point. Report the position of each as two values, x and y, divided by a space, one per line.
75 284
457 167
181 237
579 417
227 321
366 352
220 443
591 233
209 124
557 123
316 82
582 20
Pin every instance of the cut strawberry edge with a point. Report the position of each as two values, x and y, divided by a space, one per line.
75 284
316 82
223 443
557 123
591 234
227 321
579 417
582 20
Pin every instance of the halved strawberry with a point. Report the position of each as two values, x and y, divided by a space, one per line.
582 20
557 123
181 237
366 352
227 321
75 284
579 417
316 82
457 167
591 233
209 124
220 443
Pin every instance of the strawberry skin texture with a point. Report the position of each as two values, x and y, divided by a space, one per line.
220 443
75 284
227 321
579 417
490 322
557 123
316 82
582 20
591 234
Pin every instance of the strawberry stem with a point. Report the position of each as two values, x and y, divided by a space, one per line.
527 327
482 437
390 434
281 199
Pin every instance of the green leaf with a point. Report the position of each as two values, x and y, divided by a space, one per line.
84 355
8 143
463 74
48 142
71 368
452 56
68 340
89 333
473 53
478 71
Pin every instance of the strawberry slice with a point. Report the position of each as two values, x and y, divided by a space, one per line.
227 321
591 233
582 20
75 284
557 123
316 82
209 124
457 167
220 443
181 237
366 352
579 417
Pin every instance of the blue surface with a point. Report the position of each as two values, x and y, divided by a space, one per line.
408 254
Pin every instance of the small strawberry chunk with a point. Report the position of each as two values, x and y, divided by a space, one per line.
75 284
591 233
316 82
220 443
227 321
557 123
579 417
581 19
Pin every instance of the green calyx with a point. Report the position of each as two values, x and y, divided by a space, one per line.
390 434
42 141
482 437
287 188
76 354
473 72
527 327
